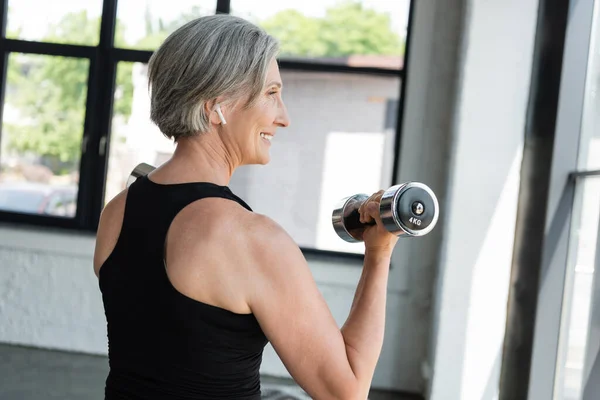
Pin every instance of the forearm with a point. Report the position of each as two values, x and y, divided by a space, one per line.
363 331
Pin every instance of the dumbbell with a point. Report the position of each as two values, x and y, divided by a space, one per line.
407 210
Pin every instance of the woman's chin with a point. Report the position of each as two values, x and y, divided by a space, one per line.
264 161
264 157
260 160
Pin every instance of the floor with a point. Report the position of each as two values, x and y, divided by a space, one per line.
35 374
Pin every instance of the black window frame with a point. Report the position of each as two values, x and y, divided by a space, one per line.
103 60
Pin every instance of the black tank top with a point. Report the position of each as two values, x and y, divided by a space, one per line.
161 343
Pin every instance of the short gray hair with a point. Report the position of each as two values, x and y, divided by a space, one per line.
217 55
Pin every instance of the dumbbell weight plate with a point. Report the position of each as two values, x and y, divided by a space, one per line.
409 209
416 220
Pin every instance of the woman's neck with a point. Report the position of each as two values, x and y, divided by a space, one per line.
199 159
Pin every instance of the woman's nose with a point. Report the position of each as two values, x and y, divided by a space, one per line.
283 118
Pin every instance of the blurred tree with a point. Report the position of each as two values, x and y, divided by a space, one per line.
348 28
298 34
49 94
50 112
157 29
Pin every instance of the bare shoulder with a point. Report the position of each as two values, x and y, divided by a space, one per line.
208 254
109 229
250 264
211 218
277 261
262 241
271 245
248 247
224 219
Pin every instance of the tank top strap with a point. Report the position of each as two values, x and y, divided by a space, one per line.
232 196
151 207
178 196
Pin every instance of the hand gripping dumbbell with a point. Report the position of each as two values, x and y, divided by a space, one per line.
409 209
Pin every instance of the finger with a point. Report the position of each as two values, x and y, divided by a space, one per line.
372 211
362 208
377 212
370 206
375 196
374 204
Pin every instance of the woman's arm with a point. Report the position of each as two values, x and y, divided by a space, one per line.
326 361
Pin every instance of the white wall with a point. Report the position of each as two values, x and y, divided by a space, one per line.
48 294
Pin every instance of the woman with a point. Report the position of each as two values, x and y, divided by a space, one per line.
194 283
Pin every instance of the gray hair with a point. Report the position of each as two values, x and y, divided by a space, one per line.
217 55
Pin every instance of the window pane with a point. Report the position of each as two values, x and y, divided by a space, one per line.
65 21
580 330
42 129
578 337
361 33
144 24
337 119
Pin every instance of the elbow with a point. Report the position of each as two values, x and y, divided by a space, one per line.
354 390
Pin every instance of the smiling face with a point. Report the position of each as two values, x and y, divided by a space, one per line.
249 130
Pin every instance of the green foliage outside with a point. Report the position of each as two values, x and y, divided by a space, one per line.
157 30
51 115
347 29
50 92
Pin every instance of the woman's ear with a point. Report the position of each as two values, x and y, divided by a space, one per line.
220 114
215 112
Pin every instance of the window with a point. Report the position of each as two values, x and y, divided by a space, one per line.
42 129
579 333
65 21
342 89
368 33
144 24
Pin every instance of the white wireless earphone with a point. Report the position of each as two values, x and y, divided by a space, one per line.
220 114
